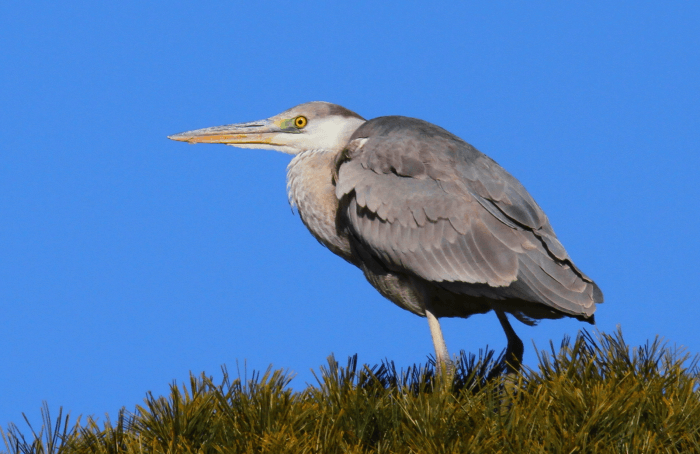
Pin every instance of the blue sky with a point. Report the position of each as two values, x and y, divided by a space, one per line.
128 260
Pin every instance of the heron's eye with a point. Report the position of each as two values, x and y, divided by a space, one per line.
300 122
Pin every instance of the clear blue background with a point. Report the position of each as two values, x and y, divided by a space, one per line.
128 260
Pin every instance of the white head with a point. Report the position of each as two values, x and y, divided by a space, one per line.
312 126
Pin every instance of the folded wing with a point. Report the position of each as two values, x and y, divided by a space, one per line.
425 202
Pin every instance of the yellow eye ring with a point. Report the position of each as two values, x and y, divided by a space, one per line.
300 122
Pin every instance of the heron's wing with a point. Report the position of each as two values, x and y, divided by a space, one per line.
424 201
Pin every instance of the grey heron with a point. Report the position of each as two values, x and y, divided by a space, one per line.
437 227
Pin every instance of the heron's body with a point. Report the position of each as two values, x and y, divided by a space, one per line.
310 181
436 226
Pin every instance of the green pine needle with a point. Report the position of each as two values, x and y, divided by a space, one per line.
595 394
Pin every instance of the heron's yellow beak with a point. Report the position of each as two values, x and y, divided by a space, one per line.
261 133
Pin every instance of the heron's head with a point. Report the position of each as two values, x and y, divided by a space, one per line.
312 126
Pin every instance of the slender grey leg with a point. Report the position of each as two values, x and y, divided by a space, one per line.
514 351
441 355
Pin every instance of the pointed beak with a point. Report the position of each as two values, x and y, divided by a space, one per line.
256 132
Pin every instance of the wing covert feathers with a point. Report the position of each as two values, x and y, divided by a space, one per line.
425 202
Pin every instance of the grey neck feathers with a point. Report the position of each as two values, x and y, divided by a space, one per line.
311 191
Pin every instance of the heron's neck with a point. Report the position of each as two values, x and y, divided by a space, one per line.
311 190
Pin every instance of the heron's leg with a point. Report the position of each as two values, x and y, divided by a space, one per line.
514 351
512 360
442 358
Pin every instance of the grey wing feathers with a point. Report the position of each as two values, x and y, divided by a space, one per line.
424 201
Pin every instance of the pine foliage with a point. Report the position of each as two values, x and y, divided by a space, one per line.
593 394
